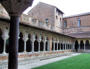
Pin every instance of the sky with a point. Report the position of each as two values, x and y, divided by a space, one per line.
69 7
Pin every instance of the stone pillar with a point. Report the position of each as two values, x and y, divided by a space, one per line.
44 45
33 39
25 38
39 40
79 45
39 46
5 37
65 46
73 46
57 45
53 45
49 45
60 46
84 45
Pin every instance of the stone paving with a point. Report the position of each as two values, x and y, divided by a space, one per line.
47 61
29 64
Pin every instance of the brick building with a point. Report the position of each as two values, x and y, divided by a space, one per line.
45 33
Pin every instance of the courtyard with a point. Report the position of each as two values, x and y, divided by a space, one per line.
76 62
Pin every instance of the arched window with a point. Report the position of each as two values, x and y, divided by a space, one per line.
29 44
21 43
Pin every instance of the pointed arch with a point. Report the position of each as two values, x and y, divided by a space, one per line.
21 43
76 46
87 44
29 44
41 46
81 44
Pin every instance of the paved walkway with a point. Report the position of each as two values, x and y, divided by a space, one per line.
43 62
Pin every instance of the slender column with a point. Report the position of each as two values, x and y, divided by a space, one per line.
73 46
4 46
44 45
39 40
57 46
84 46
48 45
25 40
53 45
79 45
5 37
60 46
33 39
38 46
65 46
13 43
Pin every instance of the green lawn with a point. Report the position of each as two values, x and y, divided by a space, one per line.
77 62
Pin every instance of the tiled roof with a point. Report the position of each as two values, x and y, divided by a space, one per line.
82 14
80 35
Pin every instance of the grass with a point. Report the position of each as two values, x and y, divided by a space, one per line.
77 62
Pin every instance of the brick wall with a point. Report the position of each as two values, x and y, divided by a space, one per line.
72 24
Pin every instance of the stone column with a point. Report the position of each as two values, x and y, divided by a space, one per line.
60 46
57 45
44 45
65 46
79 45
25 38
48 45
44 41
53 45
73 46
39 40
84 45
33 39
5 37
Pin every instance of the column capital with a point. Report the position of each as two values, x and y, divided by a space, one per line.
33 38
25 38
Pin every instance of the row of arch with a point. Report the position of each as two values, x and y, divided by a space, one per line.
61 46
38 46
82 45
21 44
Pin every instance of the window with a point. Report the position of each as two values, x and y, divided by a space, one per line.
46 20
34 20
65 24
79 22
56 17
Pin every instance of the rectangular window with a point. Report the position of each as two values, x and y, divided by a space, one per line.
46 20
79 22
65 24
